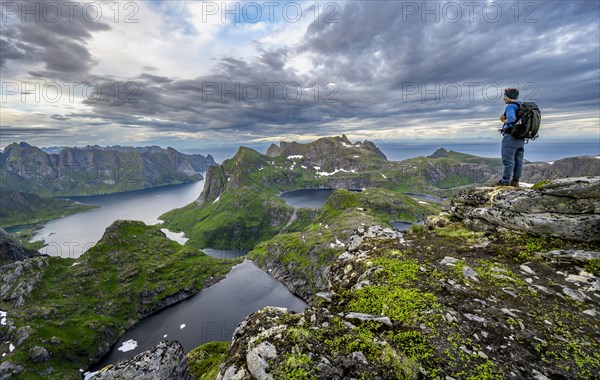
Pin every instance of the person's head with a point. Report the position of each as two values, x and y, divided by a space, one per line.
511 94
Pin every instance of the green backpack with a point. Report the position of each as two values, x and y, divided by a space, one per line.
528 121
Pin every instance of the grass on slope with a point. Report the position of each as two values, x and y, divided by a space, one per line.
82 304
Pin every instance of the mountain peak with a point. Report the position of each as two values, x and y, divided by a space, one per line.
324 146
440 153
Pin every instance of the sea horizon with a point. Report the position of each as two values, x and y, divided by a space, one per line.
535 151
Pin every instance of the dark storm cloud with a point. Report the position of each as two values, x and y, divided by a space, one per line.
10 131
52 33
380 61
389 64
390 45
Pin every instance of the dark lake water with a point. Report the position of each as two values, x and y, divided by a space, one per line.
313 198
211 315
316 198
72 235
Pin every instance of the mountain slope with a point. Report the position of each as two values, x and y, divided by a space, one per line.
23 208
240 207
96 170
74 310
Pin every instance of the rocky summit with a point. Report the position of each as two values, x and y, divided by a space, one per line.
445 301
565 208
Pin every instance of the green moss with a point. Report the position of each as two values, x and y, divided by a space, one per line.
417 228
297 366
205 360
392 295
460 232
593 266
540 185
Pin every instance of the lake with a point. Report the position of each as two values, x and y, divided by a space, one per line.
313 198
211 315
316 198
74 234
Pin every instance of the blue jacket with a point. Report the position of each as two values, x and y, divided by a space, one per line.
511 114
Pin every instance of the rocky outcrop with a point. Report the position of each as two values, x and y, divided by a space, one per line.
429 306
38 354
18 279
321 151
165 361
565 208
11 250
10 370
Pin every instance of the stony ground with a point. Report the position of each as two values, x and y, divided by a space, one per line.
443 303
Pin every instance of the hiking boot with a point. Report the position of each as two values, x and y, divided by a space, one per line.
514 183
500 183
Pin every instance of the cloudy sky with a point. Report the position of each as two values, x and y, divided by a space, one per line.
192 74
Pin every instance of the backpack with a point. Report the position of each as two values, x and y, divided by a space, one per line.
528 121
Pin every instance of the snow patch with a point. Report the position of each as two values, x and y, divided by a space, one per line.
128 345
551 162
325 174
295 156
164 336
216 200
182 326
3 316
11 348
356 156
383 175
348 145
175 236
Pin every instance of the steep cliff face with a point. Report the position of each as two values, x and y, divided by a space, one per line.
567 167
94 169
445 302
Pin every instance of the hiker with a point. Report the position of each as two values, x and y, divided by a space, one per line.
513 148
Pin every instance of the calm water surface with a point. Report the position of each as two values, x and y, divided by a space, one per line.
72 235
211 315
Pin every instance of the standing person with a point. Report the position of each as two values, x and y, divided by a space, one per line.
513 148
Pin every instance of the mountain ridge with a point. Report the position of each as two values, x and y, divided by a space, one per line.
327 163
96 170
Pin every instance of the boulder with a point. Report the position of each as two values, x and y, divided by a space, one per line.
565 208
39 354
165 361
